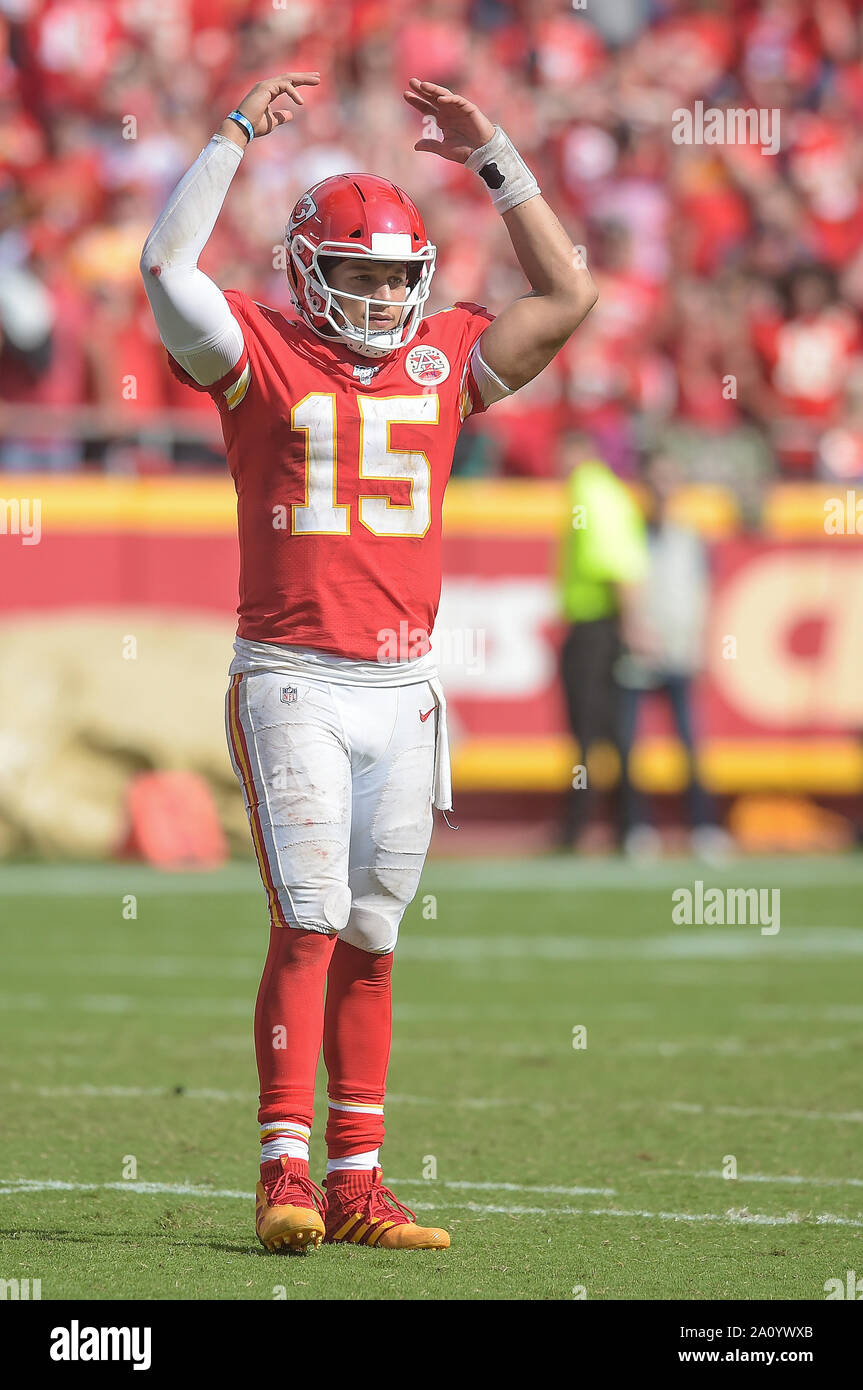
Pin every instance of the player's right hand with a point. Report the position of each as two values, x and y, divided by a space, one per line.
256 106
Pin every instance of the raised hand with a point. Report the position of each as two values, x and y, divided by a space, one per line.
462 124
256 105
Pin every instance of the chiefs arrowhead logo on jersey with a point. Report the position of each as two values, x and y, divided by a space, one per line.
304 209
427 366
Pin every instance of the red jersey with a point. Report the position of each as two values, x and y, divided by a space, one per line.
340 464
809 359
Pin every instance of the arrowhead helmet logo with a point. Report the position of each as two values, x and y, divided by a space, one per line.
303 210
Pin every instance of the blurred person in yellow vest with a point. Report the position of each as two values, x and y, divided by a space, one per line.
603 561
668 618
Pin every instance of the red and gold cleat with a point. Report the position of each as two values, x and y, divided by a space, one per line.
361 1211
289 1207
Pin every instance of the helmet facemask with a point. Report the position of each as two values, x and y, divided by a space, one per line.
324 302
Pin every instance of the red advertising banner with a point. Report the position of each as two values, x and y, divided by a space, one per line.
779 703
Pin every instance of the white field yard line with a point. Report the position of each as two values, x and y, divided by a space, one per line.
558 873
407 1014
741 1217
724 1047
398 1098
657 1047
790 1178
799 1013
198 1190
720 1047
480 1013
729 944
238 1008
129 1092
771 1111
125 1004
485 1012
247 1098
636 1012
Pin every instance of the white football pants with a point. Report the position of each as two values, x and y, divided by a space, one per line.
338 784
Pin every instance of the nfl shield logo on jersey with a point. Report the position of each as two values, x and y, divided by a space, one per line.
288 694
427 366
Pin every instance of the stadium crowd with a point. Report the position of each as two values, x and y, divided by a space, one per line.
730 278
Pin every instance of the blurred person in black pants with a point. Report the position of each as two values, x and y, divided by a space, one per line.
604 559
669 618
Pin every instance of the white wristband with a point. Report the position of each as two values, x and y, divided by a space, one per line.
504 172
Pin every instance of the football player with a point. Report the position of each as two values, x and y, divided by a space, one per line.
339 425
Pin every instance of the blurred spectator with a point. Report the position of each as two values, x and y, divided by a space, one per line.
807 344
603 561
41 363
663 651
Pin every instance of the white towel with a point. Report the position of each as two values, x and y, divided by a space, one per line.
442 769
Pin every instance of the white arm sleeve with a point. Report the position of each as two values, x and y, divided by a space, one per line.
491 388
193 317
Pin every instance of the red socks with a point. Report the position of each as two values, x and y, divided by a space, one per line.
291 1020
357 1038
289 1024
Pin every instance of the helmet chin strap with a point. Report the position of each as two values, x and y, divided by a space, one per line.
365 350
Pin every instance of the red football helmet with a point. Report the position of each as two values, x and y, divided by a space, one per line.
349 216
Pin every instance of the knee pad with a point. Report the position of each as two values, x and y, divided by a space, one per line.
402 824
380 894
321 908
312 901
373 925
400 834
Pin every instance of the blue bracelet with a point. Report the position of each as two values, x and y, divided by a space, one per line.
243 122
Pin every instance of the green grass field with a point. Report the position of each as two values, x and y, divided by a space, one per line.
559 1168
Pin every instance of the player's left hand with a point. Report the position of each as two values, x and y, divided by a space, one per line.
462 124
